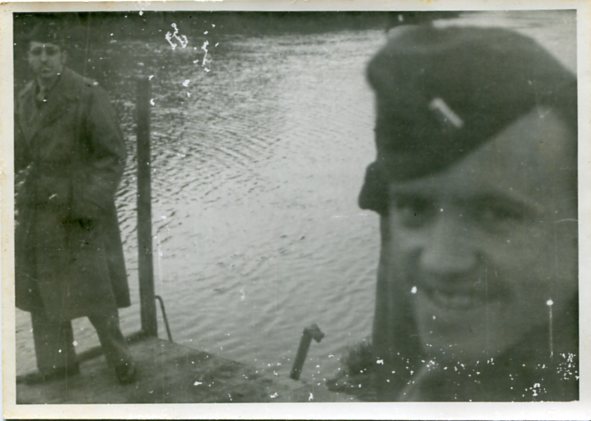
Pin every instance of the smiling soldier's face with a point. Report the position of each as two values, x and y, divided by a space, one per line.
483 245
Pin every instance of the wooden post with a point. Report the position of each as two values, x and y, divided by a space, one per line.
144 210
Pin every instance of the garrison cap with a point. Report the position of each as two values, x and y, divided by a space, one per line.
47 30
443 92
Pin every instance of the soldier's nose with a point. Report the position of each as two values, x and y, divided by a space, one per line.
449 249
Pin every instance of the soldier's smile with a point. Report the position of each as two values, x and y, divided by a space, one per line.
455 299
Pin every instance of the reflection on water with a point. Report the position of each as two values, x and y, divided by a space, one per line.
255 194
256 169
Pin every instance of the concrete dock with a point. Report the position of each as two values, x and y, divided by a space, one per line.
172 373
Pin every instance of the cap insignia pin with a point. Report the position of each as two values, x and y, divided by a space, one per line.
439 106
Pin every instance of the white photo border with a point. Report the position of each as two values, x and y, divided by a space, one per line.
495 411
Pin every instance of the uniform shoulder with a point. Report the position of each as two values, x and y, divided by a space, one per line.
82 81
89 82
76 85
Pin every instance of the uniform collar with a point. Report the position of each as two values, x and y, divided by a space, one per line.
48 87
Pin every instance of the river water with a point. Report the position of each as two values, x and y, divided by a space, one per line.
259 150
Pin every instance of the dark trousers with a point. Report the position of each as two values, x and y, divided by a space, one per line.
54 346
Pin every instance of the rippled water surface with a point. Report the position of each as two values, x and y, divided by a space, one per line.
258 157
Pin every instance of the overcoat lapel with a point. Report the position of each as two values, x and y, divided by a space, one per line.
61 96
26 111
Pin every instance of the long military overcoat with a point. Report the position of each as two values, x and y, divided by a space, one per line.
70 153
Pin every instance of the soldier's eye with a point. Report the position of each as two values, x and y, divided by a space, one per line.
411 210
498 215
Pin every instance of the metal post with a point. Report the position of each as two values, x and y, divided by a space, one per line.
311 332
144 210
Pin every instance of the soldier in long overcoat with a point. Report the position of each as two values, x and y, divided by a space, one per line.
69 159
